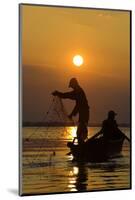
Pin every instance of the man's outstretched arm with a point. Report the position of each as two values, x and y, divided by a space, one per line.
66 95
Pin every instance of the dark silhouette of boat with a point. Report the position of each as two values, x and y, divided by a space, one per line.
96 150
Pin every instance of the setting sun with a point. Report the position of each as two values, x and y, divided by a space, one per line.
78 60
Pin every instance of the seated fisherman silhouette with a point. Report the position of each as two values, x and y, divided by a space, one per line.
109 128
81 108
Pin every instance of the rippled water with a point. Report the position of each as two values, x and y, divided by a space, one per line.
47 169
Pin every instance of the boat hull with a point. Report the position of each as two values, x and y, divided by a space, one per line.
97 150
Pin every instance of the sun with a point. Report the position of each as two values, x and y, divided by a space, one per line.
78 60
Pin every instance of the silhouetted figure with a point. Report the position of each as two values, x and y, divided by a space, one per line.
81 107
110 128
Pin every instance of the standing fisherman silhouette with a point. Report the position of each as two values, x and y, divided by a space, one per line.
81 108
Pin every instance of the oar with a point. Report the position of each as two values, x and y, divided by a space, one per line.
94 136
97 134
125 136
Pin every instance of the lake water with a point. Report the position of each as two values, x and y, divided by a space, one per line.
47 169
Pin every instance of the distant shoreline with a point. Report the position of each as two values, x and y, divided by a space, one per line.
57 124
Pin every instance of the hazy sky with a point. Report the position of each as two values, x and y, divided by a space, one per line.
51 36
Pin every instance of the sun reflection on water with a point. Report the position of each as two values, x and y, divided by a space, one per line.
71 132
75 170
72 178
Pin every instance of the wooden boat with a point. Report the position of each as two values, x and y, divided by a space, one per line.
97 150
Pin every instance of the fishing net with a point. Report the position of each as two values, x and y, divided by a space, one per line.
55 116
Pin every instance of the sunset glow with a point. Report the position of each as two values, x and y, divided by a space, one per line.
90 45
74 75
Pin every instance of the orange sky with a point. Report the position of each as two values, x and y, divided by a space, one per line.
51 36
